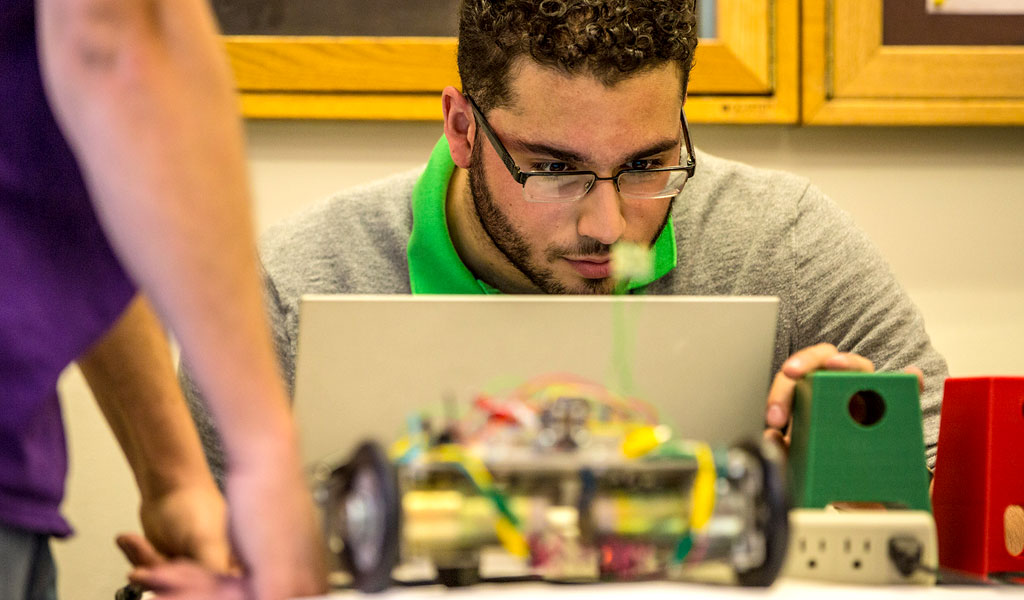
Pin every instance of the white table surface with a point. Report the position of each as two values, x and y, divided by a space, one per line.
787 589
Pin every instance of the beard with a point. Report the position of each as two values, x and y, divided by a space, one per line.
513 245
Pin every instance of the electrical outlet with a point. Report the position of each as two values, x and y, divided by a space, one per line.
862 546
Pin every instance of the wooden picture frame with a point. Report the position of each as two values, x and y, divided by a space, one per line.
747 74
851 77
750 72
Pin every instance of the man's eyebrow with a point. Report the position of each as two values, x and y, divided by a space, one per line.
554 152
654 149
565 155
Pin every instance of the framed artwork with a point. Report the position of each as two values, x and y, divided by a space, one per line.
905 62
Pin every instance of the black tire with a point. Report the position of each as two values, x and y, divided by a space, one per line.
370 546
129 592
772 505
454 577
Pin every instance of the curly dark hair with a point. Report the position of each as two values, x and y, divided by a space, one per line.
607 39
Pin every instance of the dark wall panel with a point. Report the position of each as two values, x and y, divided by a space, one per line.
907 22
338 17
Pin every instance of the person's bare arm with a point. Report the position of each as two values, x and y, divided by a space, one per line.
143 93
132 377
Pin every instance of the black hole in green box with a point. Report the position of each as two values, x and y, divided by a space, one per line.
866 407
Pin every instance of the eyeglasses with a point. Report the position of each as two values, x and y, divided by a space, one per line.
570 186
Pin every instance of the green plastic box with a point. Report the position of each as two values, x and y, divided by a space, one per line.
857 437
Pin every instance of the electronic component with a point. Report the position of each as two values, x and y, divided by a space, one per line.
572 481
862 546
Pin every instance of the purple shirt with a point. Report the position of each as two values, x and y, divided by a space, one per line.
61 287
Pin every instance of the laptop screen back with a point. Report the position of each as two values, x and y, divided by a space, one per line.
366 362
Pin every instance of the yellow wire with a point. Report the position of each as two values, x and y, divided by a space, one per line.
703 494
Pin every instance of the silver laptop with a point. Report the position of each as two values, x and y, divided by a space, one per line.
365 362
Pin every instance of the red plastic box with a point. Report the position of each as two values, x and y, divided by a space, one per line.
979 475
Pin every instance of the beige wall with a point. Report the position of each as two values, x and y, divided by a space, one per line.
946 206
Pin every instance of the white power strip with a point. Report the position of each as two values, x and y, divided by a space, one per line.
862 546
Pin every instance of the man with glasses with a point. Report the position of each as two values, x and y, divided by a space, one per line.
647 181
568 138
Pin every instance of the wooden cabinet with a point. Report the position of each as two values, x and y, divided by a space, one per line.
853 74
764 61
746 73
342 78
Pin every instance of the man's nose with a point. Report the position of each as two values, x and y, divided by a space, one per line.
600 214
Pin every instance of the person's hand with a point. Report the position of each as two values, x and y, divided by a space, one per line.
273 527
277 544
179 578
189 522
189 525
802 363
186 580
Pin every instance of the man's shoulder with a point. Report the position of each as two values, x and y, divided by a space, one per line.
734 229
335 244
376 206
730 200
722 180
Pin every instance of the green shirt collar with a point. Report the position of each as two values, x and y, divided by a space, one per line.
435 266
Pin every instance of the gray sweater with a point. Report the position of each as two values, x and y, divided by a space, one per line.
739 231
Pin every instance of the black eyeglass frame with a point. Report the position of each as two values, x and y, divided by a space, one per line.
521 176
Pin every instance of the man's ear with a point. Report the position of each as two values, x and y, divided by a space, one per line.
459 126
